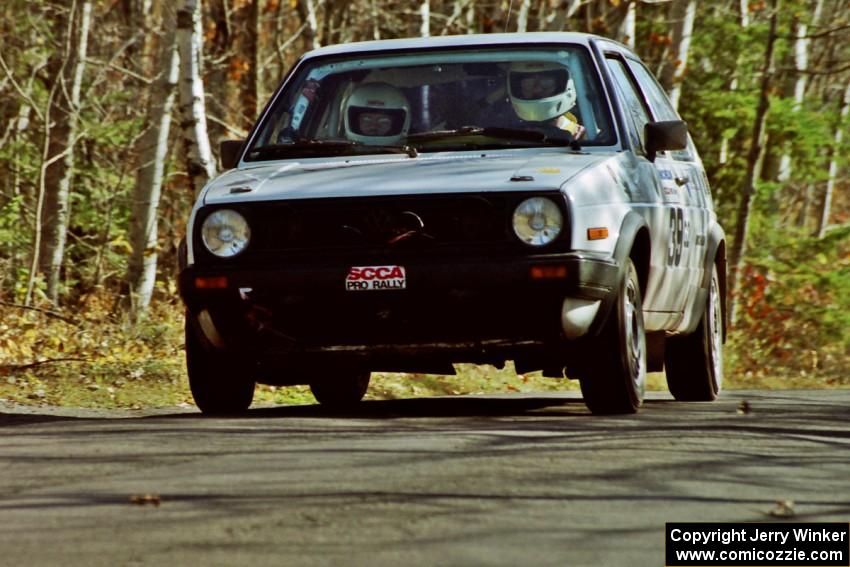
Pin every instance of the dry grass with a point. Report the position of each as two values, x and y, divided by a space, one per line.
96 359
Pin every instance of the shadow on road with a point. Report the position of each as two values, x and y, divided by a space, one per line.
465 406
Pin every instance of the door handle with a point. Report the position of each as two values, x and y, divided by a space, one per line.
682 180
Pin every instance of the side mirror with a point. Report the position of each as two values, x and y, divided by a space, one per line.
229 151
663 136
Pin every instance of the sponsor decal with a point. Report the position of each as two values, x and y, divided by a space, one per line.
370 278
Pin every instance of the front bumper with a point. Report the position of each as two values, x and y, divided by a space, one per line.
454 305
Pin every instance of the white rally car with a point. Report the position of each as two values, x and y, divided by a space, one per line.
404 205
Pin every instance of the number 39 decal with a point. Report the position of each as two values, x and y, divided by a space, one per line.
677 237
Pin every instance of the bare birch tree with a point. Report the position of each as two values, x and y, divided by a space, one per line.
522 16
833 162
683 14
196 141
152 148
64 112
626 30
425 12
778 165
801 66
307 11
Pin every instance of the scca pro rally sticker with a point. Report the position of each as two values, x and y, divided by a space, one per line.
368 278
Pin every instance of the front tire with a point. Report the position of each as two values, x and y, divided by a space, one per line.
694 363
614 382
217 381
341 390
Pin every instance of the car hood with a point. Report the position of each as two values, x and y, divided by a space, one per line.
400 175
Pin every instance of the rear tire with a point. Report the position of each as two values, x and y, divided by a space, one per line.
614 381
694 363
218 382
343 389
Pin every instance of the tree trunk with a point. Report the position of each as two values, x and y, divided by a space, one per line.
779 168
559 11
754 160
199 160
425 12
626 30
833 162
64 113
152 148
242 86
683 14
744 21
522 16
307 11
376 29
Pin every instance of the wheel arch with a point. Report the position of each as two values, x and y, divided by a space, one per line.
640 255
633 244
715 255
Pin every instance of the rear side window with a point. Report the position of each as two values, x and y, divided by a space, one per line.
631 98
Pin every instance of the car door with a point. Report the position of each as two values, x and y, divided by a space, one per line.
668 282
689 176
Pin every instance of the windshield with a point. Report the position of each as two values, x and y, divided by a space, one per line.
469 99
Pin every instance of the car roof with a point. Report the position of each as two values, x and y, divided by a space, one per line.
449 41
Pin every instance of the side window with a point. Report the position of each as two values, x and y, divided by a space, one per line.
630 97
661 107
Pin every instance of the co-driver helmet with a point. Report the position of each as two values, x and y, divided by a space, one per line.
540 90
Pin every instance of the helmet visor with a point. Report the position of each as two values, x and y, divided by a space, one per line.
378 122
538 85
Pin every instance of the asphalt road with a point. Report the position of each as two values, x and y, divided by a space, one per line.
463 481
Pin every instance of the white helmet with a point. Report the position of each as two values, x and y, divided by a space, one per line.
377 114
540 90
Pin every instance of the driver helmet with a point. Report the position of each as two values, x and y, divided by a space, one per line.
376 114
540 90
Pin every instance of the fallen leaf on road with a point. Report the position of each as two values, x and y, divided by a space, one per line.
145 499
783 509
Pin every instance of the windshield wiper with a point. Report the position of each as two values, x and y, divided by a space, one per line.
519 134
327 146
492 132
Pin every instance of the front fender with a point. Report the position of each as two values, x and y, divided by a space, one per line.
633 242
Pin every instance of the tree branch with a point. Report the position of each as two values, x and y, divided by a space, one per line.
18 88
48 312
234 129
115 67
819 35
40 362
833 71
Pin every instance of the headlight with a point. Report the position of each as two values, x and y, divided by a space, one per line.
538 221
225 233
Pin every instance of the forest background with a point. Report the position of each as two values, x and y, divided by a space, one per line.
97 180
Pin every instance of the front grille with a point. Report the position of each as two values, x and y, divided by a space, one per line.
363 223
394 226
